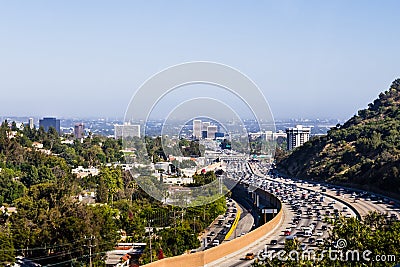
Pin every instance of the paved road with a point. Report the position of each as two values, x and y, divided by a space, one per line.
235 259
362 206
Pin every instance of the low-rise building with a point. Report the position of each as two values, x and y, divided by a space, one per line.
83 172
8 210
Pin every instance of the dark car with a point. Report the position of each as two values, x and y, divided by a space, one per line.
274 242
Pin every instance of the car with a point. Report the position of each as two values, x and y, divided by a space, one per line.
291 238
274 242
303 247
212 233
319 233
324 227
249 256
300 233
286 233
311 240
215 242
307 234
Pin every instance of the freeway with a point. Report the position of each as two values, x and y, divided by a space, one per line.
302 211
362 202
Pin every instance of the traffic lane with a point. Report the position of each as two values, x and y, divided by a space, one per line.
306 220
373 205
244 226
236 258
364 206
241 196
260 247
218 231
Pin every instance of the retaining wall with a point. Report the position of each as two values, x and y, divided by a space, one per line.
204 257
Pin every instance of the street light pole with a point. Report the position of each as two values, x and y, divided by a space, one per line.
151 251
90 248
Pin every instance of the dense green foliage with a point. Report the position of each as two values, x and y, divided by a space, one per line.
203 178
190 148
363 151
52 226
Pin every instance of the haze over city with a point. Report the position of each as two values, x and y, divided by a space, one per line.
311 59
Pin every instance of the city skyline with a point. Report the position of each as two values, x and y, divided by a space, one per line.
330 58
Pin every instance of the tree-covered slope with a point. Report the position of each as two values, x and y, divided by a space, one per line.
365 150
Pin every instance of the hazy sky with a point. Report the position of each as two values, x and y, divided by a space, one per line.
315 59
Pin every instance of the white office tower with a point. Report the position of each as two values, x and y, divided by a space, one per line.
205 125
211 130
126 130
197 129
31 124
297 136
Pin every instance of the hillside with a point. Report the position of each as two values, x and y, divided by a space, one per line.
364 151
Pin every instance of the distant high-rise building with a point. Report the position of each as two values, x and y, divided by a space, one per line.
270 136
197 129
204 125
46 123
211 131
31 124
126 130
297 136
79 130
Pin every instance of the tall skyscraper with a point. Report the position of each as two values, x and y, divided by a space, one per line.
197 129
31 124
211 131
79 130
126 130
297 136
46 123
204 125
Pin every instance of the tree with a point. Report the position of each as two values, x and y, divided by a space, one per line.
7 252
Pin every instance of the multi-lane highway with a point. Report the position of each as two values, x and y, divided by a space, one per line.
305 206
